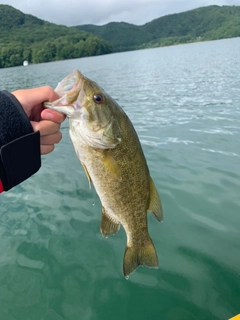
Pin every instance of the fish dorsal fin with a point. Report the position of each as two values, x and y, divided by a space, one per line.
87 174
155 206
111 164
108 225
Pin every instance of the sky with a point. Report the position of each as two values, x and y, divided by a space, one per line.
100 12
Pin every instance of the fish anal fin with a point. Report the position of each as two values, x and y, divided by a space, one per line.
139 256
108 225
111 164
155 206
87 174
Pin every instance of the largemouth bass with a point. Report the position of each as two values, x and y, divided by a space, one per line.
109 150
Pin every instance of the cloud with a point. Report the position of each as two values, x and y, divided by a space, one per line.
75 12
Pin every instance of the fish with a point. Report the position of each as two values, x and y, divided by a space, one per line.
110 152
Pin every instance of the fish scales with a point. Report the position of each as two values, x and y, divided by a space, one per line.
132 185
108 147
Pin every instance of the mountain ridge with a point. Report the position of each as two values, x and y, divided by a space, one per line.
200 24
26 37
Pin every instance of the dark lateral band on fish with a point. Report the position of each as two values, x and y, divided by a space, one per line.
108 147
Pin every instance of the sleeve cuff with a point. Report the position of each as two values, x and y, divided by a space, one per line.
19 159
14 122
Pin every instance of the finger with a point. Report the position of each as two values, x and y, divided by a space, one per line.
51 139
52 115
35 96
45 127
45 149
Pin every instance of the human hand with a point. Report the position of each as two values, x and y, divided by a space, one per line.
44 120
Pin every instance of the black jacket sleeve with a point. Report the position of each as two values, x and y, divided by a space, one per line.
19 145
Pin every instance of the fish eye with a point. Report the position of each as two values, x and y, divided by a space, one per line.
98 98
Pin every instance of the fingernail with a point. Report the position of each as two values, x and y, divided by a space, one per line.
48 115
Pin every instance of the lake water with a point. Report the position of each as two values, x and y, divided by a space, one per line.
184 102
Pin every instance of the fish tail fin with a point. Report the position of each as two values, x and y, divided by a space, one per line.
139 256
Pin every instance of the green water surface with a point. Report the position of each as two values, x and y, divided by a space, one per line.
184 102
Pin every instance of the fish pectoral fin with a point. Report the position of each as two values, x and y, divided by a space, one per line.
87 174
111 164
155 206
108 225
139 256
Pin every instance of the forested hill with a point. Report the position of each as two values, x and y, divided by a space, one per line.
25 37
206 23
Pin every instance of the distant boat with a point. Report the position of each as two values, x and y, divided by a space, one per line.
25 63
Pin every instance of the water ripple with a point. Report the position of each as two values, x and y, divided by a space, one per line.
184 102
